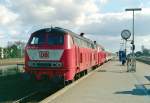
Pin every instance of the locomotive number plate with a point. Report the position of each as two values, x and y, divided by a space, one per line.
43 54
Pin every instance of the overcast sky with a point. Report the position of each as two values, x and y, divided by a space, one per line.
100 20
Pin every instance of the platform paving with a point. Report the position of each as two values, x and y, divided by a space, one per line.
110 83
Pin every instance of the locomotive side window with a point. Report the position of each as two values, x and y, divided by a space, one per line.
71 41
55 39
76 40
38 39
83 43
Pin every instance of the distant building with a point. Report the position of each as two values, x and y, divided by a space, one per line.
142 47
145 51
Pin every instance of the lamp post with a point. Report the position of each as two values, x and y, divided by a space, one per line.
133 9
132 42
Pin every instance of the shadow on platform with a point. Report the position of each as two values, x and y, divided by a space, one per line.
139 90
117 71
113 71
147 77
119 64
101 70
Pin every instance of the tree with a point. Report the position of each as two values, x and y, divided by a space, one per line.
138 53
146 52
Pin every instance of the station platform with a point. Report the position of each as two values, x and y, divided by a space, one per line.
110 83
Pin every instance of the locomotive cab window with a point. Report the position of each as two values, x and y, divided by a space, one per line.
55 39
38 39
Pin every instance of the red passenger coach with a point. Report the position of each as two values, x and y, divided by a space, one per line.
57 52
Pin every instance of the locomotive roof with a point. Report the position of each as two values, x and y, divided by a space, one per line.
74 34
52 30
62 31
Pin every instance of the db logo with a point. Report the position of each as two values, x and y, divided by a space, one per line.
43 54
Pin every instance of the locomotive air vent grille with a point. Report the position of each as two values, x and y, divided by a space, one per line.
34 64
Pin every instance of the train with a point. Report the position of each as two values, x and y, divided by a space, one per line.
58 52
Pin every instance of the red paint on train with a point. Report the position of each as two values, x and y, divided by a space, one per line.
60 52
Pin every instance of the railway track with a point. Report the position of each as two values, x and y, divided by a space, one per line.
51 91
63 90
38 94
41 93
24 98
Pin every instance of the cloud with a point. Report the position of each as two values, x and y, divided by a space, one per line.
9 24
18 18
103 1
1 36
143 40
6 16
33 12
114 23
106 24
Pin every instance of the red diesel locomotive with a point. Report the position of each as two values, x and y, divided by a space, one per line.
58 52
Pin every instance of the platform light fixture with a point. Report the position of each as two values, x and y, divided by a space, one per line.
133 10
132 42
